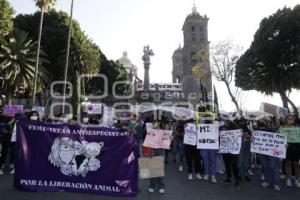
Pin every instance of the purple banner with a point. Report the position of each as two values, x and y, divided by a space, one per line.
53 157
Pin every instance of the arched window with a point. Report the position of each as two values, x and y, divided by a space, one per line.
177 79
193 58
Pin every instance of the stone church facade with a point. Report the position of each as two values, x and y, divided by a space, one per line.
195 34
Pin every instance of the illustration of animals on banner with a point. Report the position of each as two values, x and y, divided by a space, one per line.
158 139
268 143
230 141
207 136
190 134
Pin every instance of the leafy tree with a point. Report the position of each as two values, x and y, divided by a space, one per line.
83 52
84 59
17 60
114 71
222 67
55 32
6 22
271 64
44 6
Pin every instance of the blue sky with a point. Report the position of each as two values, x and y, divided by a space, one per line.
118 25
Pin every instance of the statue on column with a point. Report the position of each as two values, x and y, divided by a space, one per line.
146 58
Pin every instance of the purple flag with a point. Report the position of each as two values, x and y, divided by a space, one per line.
53 157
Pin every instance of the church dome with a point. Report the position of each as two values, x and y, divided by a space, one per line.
124 59
178 50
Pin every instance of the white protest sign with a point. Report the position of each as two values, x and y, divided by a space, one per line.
158 139
93 108
207 136
190 134
108 116
267 143
40 110
149 125
230 141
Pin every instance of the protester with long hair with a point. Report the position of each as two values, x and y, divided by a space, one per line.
230 160
5 137
209 157
192 157
245 155
292 157
269 164
157 183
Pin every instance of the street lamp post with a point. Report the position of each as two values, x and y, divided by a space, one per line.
67 58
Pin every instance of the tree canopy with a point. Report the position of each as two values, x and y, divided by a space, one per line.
85 55
6 21
17 61
271 64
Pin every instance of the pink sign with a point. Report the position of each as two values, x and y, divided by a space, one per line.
158 139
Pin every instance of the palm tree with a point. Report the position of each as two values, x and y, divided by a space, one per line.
17 64
44 6
84 59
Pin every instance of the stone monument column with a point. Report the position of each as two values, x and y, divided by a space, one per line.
146 58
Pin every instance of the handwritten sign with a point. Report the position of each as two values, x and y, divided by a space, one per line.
11 110
230 141
190 134
207 136
268 143
293 134
158 139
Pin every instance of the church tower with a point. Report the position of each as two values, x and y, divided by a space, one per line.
177 73
195 34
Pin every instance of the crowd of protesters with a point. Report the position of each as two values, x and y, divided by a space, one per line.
198 164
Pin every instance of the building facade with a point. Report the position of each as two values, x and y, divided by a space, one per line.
195 40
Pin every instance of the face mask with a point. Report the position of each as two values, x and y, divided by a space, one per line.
34 117
85 120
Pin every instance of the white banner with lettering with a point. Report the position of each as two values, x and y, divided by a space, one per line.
230 141
268 143
190 134
207 136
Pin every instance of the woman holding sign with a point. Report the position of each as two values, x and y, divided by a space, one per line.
292 157
158 182
230 160
191 152
270 164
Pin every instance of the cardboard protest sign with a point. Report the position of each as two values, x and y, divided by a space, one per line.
230 141
158 139
151 167
11 110
268 143
274 110
293 134
190 134
207 136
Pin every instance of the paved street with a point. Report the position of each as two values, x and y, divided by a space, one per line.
177 188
